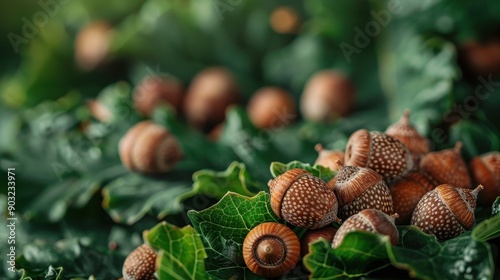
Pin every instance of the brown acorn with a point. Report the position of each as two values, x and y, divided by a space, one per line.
329 158
99 111
407 192
328 95
92 45
405 132
140 264
157 90
370 220
376 150
271 250
482 57
485 170
149 148
359 188
310 236
211 92
447 167
446 211
271 108
303 200
285 20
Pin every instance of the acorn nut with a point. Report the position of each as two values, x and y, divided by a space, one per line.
157 90
271 108
370 220
329 158
140 264
149 148
271 250
311 236
485 170
446 211
303 200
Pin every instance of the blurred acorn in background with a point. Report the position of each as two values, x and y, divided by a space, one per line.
485 170
328 95
208 97
156 90
333 159
482 57
285 20
271 108
92 45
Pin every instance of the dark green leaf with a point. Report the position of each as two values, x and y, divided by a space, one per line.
496 207
487 229
181 252
224 226
325 173
50 273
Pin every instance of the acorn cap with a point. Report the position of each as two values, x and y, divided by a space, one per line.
405 132
447 167
352 181
461 202
279 186
140 264
128 142
485 170
358 154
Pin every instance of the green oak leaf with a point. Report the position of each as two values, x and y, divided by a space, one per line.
459 258
128 198
50 273
496 207
181 252
325 173
224 226
360 254
487 229
216 184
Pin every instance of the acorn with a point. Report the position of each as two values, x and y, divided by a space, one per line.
376 150
99 111
447 167
303 200
405 132
92 45
485 170
215 133
482 57
156 90
407 192
271 108
370 220
140 264
328 95
359 188
271 250
210 94
285 20
446 211
310 236
329 158
149 148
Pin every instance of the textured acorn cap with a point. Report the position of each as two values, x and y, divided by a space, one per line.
140 264
447 167
157 90
271 108
370 220
280 185
310 236
352 181
376 150
271 250
485 170
405 132
329 158
461 202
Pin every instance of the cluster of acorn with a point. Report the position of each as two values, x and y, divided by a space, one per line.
382 178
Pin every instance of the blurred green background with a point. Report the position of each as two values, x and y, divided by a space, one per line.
79 208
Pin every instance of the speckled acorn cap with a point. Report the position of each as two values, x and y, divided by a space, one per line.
485 170
376 150
303 200
359 188
140 264
447 167
371 220
446 211
405 132
407 192
328 158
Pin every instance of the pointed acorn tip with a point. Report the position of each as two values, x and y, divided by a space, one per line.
394 216
405 118
339 164
477 189
458 147
318 147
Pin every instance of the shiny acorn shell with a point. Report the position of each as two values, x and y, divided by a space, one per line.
359 188
407 192
371 220
303 200
271 250
485 170
376 150
405 132
311 236
446 211
447 167
328 158
149 148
